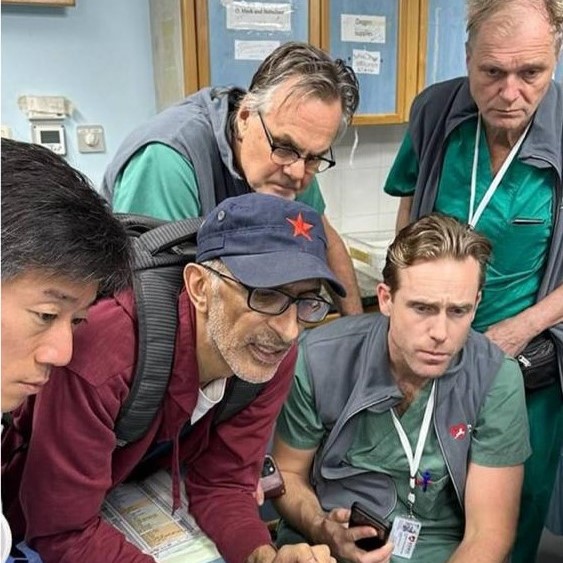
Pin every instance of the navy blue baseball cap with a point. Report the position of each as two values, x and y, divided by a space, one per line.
267 241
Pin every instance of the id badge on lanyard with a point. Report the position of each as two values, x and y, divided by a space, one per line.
406 528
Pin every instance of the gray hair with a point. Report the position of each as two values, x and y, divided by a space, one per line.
434 237
479 11
314 74
214 280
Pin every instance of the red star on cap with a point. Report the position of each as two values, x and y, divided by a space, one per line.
300 227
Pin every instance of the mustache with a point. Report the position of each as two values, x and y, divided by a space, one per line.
270 340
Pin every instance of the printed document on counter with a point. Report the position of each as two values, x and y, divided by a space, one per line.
142 511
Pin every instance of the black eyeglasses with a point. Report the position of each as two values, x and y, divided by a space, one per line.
285 155
275 301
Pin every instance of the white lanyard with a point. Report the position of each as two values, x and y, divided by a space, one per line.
414 461
475 216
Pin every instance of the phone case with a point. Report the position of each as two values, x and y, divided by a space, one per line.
271 479
362 516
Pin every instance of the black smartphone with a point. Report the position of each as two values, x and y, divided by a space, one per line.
271 479
363 516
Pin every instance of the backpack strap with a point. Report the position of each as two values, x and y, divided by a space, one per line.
166 243
160 254
237 396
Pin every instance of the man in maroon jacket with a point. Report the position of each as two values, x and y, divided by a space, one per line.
260 267
61 250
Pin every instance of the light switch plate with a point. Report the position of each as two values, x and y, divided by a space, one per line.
91 138
5 132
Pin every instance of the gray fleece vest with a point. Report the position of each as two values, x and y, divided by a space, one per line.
347 363
197 128
442 107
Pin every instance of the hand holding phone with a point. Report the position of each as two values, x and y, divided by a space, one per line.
271 479
362 516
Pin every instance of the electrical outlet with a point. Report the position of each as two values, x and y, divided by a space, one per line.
90 138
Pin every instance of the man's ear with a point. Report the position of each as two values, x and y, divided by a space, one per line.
196 281
477 301
385 299
242 121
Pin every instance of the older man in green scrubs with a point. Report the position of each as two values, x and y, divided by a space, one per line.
487 149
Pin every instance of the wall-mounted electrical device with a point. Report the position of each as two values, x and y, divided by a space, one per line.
45 108
90 138
50 135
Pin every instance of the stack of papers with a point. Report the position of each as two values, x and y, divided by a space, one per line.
142 511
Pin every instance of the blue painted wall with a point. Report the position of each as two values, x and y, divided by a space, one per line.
97 54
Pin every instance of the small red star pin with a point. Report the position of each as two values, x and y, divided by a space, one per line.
300 227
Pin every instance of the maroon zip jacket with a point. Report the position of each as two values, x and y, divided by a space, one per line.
72 461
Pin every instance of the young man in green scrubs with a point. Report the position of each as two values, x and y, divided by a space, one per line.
223 142
417 368
488 150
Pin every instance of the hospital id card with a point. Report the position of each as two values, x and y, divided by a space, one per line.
404 535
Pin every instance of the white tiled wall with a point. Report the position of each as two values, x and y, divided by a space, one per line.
353 189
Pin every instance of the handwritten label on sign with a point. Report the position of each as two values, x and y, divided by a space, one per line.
366 62
258 16
362 29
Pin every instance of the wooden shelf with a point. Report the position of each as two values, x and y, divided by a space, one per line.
54 3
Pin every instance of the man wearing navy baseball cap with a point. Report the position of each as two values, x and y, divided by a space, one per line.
260 268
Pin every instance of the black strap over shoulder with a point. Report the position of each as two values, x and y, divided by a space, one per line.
239 394
160 252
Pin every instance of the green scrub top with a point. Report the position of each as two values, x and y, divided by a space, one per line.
500 438
160 182
518 220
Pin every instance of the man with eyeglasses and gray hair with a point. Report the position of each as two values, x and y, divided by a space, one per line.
223 142
258 276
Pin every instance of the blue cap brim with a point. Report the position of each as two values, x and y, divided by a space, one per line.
275 269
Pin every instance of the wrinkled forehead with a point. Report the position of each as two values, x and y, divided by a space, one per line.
309 125
290 97
440 275
515 20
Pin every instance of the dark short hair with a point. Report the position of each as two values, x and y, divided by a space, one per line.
434 237
54 222
315 73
